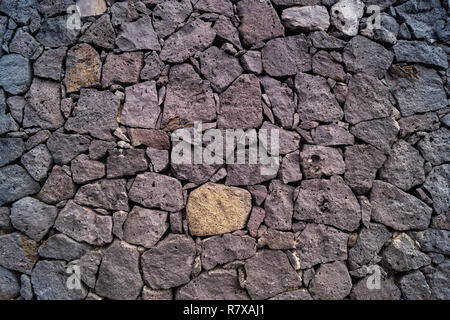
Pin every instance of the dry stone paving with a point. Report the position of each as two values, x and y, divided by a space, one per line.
89 170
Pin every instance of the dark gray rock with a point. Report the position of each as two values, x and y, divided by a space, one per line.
169 264
10 149
386 32
220 68
15 73
215 6
282 101
270 273
121 163
367 99
58 186
434 146
420 52
154 190
331 282
397 209
106 194
322 40
49 279
419 90
414 286
65 147
318 161
123 69
277 240
419 122
318 243
300 294
259 21
289 141
18 252
159 159
434 240
440 281
251 61
328 201
54 33
49 64
61 247
16 105
37 162
335 134
138 35
286 56
438 185
32 217
9 285
226 31
195 36
119 277
323 64
98 148
153 67
100 33
279 206
19 10
26 288
150 294
219 250
89 264
362 55
240 104
7 122
86 170
217 284
24 44
84 224
290 168
167 15
196 173
15 183
404 166
145 227
387 290
315 101
256 218
95 113
380 133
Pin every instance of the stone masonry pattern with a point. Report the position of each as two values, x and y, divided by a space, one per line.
358 89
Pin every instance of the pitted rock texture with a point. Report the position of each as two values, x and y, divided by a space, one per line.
90 175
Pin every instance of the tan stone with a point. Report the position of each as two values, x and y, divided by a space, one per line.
90 8
216 209
83 67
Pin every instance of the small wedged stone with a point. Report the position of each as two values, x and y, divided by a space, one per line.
225 30
9 285
251 61
109 194
282 101
18 252
397 209
84 224
86 170
152 68
153 190
438 185
58 186
16 183
420 122
49 64
331 282
65 147
61 247
256 218
122 68
89 264
37 162
169 263
279 206
150 294
434 146
290 168
318 161
159 159
215 209
380 133
121 163
144 227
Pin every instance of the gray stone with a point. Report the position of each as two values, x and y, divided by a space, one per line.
306 19
26 288
323 64
32 217
315 101
169 263
282 101
225 30
404 166
219 250
23 43
397 209
98 148
100 33
440 281
106 194
15 183
380 133
150 294
19 10
39 137
434 240
5 224
251 61
16 105
249 174
188 98
18 252
159 159
220 68
318 243
15 73
49 279
434 146
386 32
54 33
290 168
279 206
419 122
277 240
196 173
331 282
420 52
318 161
417 90
38 162
362 55
195 36
328 201
286 56
9 285
145 227
401 255
256 218
153 67
259 21
322 40
270 273
121 163
334 134
123 69
362 163
217 284
386 291
300 294
438 185
65 147
289 141
119 218
10 149
138 35
167 15
345 15
367 99
7 122
119 277
95 113
215 6
58 186
414 286
86 170
49 64
154 190
84 224
240 104
44 105
89 264
61 247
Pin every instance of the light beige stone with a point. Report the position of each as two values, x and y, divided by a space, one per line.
216 209
83 67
